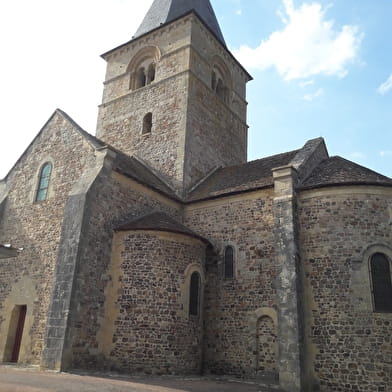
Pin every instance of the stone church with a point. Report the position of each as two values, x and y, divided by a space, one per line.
155 247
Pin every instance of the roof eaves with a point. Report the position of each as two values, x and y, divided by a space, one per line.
342 184
155 189
167 230
228 194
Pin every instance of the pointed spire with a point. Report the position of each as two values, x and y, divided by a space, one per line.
165 11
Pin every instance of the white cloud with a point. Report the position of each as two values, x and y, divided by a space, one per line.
308 45
386 86
312 97
306 83
386 153
239 12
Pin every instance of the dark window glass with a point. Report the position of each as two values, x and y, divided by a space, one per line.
147 123
229 262
381 280
43 184
194 294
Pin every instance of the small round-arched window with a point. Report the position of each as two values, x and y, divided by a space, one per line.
43 182
380 272
147 124
221 82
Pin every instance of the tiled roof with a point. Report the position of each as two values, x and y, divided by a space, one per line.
252 175
166 11
340 171
249 176
158 221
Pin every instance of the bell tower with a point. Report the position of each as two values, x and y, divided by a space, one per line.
174 96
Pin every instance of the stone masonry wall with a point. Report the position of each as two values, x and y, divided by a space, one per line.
211 120
246 223
36 226
189 120
122 120
216 135
349 345
112 199
122 111
147 325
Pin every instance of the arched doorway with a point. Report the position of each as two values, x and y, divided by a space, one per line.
267 347
15 333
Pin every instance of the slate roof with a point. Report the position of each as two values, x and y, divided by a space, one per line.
337 171
248 176
166 11
158 221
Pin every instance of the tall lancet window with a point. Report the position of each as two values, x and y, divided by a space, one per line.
194 294
381 283
229 263
43 182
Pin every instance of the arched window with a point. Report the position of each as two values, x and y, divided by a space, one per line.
147 124
381 282
229 263
43 182
151 73
140 78
220 89
213 80
143 66
221 81
194 294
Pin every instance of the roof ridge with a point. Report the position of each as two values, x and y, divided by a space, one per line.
359 165
339 171
158 221
260 159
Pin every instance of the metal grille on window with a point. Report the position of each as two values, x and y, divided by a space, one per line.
381 281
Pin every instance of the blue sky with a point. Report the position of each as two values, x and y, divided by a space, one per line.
320 68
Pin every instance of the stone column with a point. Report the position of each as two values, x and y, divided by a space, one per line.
288 280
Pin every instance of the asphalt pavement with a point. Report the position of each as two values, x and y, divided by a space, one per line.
19 379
